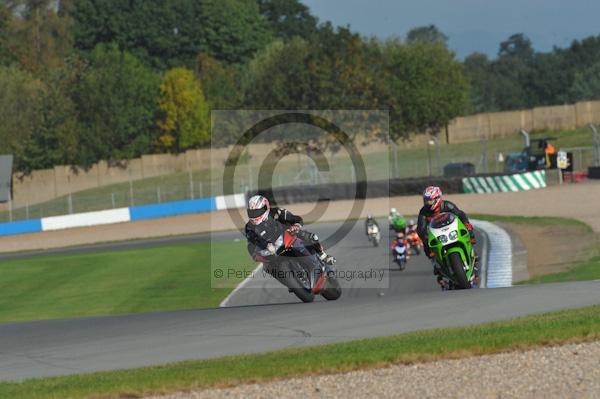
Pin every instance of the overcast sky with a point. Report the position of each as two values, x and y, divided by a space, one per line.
471 25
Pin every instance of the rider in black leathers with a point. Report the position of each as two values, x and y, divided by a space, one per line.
434 204
267 224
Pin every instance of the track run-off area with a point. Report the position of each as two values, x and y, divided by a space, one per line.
263 316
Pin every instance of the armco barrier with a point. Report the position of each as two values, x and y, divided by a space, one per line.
505 183
85 219
230 201
172 209
21 227
120 215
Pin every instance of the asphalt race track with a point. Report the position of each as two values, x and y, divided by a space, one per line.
271 318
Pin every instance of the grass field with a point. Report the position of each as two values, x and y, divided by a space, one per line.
405 163
117 282
518 334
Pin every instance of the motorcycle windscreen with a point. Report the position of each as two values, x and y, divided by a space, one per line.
442 220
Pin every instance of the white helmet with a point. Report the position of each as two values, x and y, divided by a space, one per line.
393 211
258 209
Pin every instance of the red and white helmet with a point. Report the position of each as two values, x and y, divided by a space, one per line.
258 209
432 199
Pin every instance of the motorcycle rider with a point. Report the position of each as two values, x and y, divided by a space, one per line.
264 228
411 227
370 221
414 241
400 240
434 204
397 221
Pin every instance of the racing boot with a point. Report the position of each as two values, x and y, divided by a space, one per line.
443 283
327 259
437 269
476 269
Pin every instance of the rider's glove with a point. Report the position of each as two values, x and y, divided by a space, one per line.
269 251
295 227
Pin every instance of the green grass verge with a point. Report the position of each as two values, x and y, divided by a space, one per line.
522 333
160 278
534 220
585 270
581 270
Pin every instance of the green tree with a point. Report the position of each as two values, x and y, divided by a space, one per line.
6 16
220 83
477 70
21 103
282 76
160 33
586 85
117 104
232 30
55 142
40 39
423 85
426 34
184 123
288 18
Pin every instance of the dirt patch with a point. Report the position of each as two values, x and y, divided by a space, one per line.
553 248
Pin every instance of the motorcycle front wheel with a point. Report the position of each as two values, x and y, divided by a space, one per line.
460 276
332 290
297 280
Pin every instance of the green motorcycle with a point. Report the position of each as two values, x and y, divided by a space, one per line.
449 239
398 224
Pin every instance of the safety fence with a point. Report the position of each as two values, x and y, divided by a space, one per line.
505 183
120 215
282 195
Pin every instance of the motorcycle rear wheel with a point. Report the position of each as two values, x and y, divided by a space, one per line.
332 290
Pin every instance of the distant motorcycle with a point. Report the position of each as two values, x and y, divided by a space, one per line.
374 234
399 252
414 242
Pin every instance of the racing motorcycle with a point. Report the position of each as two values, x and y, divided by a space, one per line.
373 234
450 241
399 253
414 243
301 270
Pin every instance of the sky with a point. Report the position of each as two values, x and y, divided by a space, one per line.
471 25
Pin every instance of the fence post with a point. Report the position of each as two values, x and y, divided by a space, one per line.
596 141
130 190
191 185
10 215
158 193
112 199
70 203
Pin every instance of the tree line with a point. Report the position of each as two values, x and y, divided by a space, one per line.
86 80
